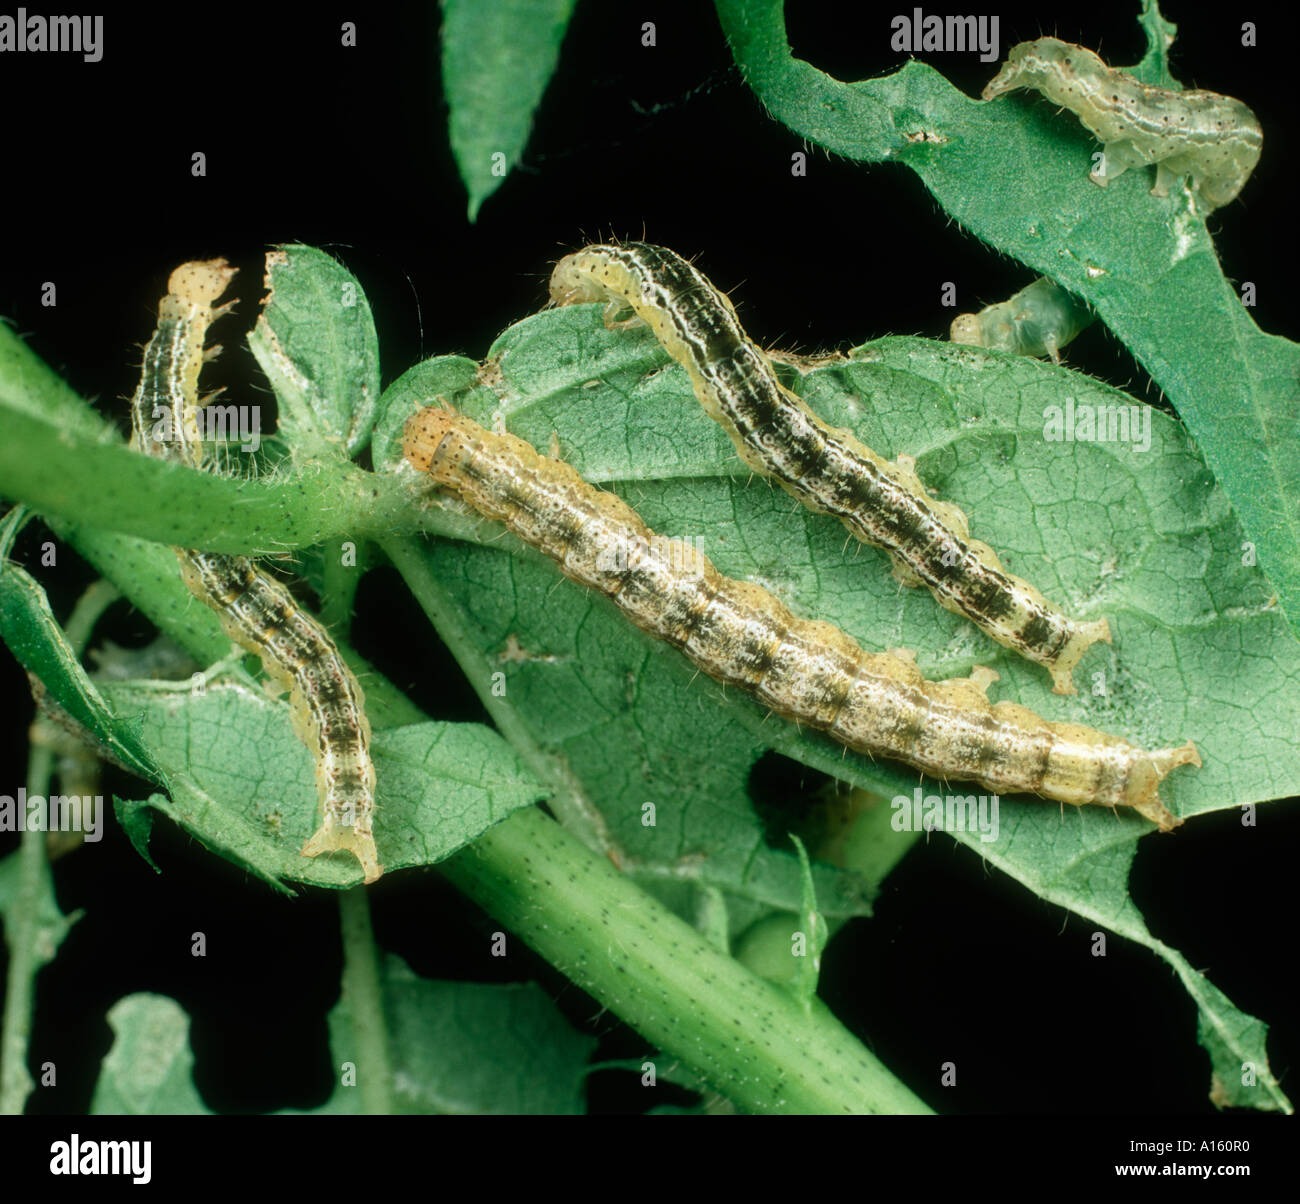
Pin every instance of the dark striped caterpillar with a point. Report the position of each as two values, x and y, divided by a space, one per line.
1212 139
882 503
1038 320
805 670
256 611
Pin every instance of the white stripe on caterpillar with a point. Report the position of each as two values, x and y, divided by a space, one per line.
808 671
881 502
1039 320
1213 139
327 705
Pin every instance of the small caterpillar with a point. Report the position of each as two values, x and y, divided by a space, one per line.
805 670
881 502
257 612
1039 320
1211 138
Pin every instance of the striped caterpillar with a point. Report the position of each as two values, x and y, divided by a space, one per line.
1039 320
256 611
805 670
881 502
1211 138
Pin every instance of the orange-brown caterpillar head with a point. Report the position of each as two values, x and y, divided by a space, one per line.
201 281
425 431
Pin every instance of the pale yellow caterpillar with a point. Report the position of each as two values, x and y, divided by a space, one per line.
881 502
256 611
1039 320
805 670
1212 139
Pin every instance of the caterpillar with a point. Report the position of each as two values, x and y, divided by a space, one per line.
256 611
881 502
1212 139
1039 320
805 670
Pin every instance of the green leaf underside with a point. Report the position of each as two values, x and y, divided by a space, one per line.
318 317
473 1049
1144 537
423 385
244 785
149 1071
497 58
1014 173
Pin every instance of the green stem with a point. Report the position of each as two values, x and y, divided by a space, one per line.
113 483
81 623
338 587
44 427
748 1038
33 872
363 997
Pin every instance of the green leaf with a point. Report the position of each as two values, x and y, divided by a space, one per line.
28 627
149 1071
470 1048
31 388
445 376
244 785
812 934
1139 532
136 818
316 342
1240 1076
1015 173
1154 66
497 58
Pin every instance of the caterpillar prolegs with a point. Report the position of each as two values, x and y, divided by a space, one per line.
806 670
256 611
882 503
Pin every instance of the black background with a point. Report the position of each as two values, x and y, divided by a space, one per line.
347 149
